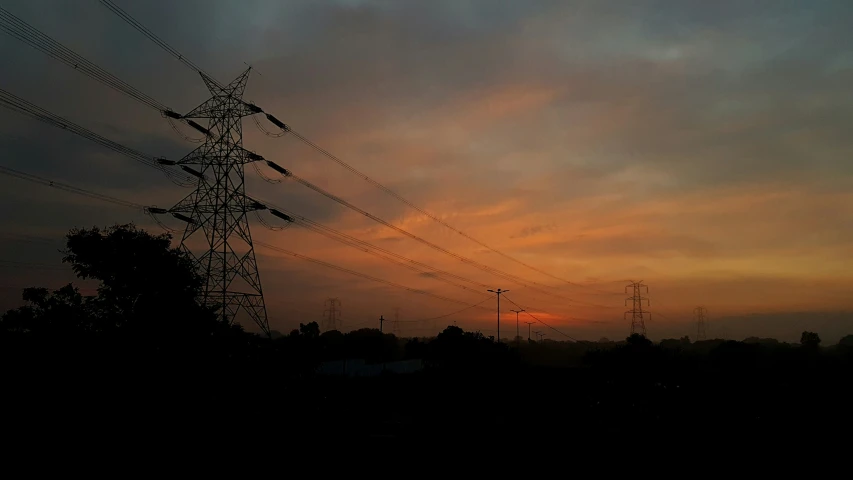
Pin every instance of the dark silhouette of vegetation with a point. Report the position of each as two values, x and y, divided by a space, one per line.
144 337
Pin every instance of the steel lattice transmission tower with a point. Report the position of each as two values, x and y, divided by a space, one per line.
216 211
332 315
638 316
700 314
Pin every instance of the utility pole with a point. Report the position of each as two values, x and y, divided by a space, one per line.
638 323
699 314
528 329
498 292
537 335
332 314
517 332
381 321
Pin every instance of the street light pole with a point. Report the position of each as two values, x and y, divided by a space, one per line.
517 333
499 292
528 329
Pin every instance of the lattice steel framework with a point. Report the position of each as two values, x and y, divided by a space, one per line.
700 314
332 315
638 316
217 209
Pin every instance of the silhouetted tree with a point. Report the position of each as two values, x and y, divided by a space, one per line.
810 340
146 299
144 283
638 341
64 311
311 330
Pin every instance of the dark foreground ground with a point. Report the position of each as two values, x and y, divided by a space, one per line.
565 407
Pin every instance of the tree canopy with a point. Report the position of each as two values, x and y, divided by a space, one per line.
145 287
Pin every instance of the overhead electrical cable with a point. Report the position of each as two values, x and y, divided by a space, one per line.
107 198
420 210
474 263
154 38
358 274
68 188
169 49
446 314
30 265
23 107
358 243
25 32
540 321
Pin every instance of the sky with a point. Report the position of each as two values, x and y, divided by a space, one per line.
701 147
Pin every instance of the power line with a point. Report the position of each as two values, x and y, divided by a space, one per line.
466 260
154 38
429 215
23 107
21 237
106 198
68 188
474 305
377 251
26 108
217 209
169 49
358 274
570 317
30 265
281 250
51 289
540 321
39 40
99 74
25 32
53 48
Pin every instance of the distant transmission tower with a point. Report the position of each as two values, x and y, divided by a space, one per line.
638 316
700 314
216 211
332 315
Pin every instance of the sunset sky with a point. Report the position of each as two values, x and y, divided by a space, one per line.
704 147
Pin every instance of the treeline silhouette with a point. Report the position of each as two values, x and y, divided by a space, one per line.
142 354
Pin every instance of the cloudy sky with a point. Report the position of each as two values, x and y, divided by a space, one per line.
703 147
